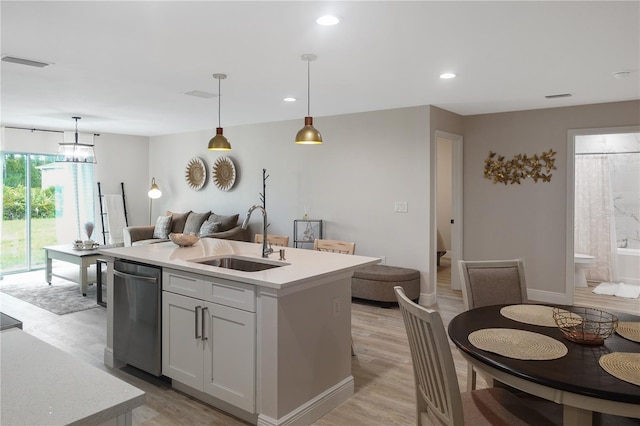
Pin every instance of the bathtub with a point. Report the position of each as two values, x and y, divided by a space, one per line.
629 265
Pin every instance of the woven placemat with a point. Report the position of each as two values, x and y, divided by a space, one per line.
518 344
530 314
623 365
629 330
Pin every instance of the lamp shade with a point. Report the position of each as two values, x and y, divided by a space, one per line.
308 135
76 153
154 191
219 142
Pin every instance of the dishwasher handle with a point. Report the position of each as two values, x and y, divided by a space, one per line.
135 277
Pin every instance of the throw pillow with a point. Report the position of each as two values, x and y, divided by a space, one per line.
178 220
209 228
194 222
227 222
163 227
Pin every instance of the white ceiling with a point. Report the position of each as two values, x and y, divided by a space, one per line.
125 67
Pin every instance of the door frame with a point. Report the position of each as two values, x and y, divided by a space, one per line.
571 195
456 207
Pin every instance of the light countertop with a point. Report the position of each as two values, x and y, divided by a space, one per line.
43 385
300 265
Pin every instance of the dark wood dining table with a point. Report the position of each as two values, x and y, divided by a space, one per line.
575 380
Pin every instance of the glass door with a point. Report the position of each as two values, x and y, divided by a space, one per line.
44 203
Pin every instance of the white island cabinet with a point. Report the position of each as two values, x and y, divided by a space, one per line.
209 346
272 347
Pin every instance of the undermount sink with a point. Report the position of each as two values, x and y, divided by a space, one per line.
239 264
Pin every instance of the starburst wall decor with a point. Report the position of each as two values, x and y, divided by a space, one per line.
519 167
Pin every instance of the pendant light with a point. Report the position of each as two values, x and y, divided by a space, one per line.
308 135
219 142
74 152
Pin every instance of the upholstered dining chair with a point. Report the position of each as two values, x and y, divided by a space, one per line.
334 246
273 239
438 397
491 282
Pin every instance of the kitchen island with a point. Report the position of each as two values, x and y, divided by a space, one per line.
272 347
42 385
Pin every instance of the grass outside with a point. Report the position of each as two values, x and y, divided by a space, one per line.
13 258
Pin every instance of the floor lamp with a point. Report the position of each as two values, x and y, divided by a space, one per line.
154 192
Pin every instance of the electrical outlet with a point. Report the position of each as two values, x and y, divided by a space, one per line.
336 307
400 207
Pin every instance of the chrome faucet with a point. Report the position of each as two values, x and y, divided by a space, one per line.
266 251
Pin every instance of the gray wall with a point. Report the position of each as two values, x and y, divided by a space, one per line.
368 161
527 220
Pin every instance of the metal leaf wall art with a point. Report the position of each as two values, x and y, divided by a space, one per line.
521 166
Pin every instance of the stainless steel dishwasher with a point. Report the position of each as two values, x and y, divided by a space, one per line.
137 291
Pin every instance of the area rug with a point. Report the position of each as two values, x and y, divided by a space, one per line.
59 298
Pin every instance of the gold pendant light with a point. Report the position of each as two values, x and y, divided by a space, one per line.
219 142
309 135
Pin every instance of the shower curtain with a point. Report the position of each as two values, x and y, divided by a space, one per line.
594 216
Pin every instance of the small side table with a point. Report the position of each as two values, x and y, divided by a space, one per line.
305 231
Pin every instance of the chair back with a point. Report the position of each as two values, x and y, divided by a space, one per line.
273 239
334 246
437 389
493 282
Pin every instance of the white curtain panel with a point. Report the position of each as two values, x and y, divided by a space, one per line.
594 216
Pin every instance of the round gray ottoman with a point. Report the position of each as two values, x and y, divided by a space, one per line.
376 282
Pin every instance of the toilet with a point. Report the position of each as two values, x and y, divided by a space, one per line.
582 262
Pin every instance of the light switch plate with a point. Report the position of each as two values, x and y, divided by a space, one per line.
400 207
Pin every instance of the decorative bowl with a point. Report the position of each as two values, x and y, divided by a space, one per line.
183 240
588 326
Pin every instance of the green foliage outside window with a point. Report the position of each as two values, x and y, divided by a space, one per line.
43 203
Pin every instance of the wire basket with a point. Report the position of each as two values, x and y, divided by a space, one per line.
588 326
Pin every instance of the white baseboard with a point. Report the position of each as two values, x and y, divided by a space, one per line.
315 408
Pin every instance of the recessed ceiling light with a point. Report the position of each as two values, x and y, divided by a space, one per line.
328 20
23 61
620 75
289 99
447 75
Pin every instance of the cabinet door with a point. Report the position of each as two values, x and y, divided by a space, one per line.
182 351
230 355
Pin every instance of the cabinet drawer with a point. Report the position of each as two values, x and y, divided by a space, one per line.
231 293
184 283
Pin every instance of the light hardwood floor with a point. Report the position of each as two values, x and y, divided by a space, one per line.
384 389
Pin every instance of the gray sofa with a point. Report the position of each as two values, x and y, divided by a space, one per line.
206 225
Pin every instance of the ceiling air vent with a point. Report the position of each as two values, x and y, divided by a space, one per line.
561 95
23 61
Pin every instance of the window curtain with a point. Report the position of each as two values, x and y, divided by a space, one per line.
594 216
75 205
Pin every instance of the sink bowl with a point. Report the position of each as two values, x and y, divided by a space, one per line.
239 264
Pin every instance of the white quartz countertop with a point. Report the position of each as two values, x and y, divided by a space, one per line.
43 385
299 266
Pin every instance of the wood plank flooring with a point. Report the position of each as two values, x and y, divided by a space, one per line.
384 389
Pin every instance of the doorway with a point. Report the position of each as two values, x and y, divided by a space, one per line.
447 209
611 151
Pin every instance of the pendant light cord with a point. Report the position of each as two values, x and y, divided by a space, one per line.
76 118
219 95
308 88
